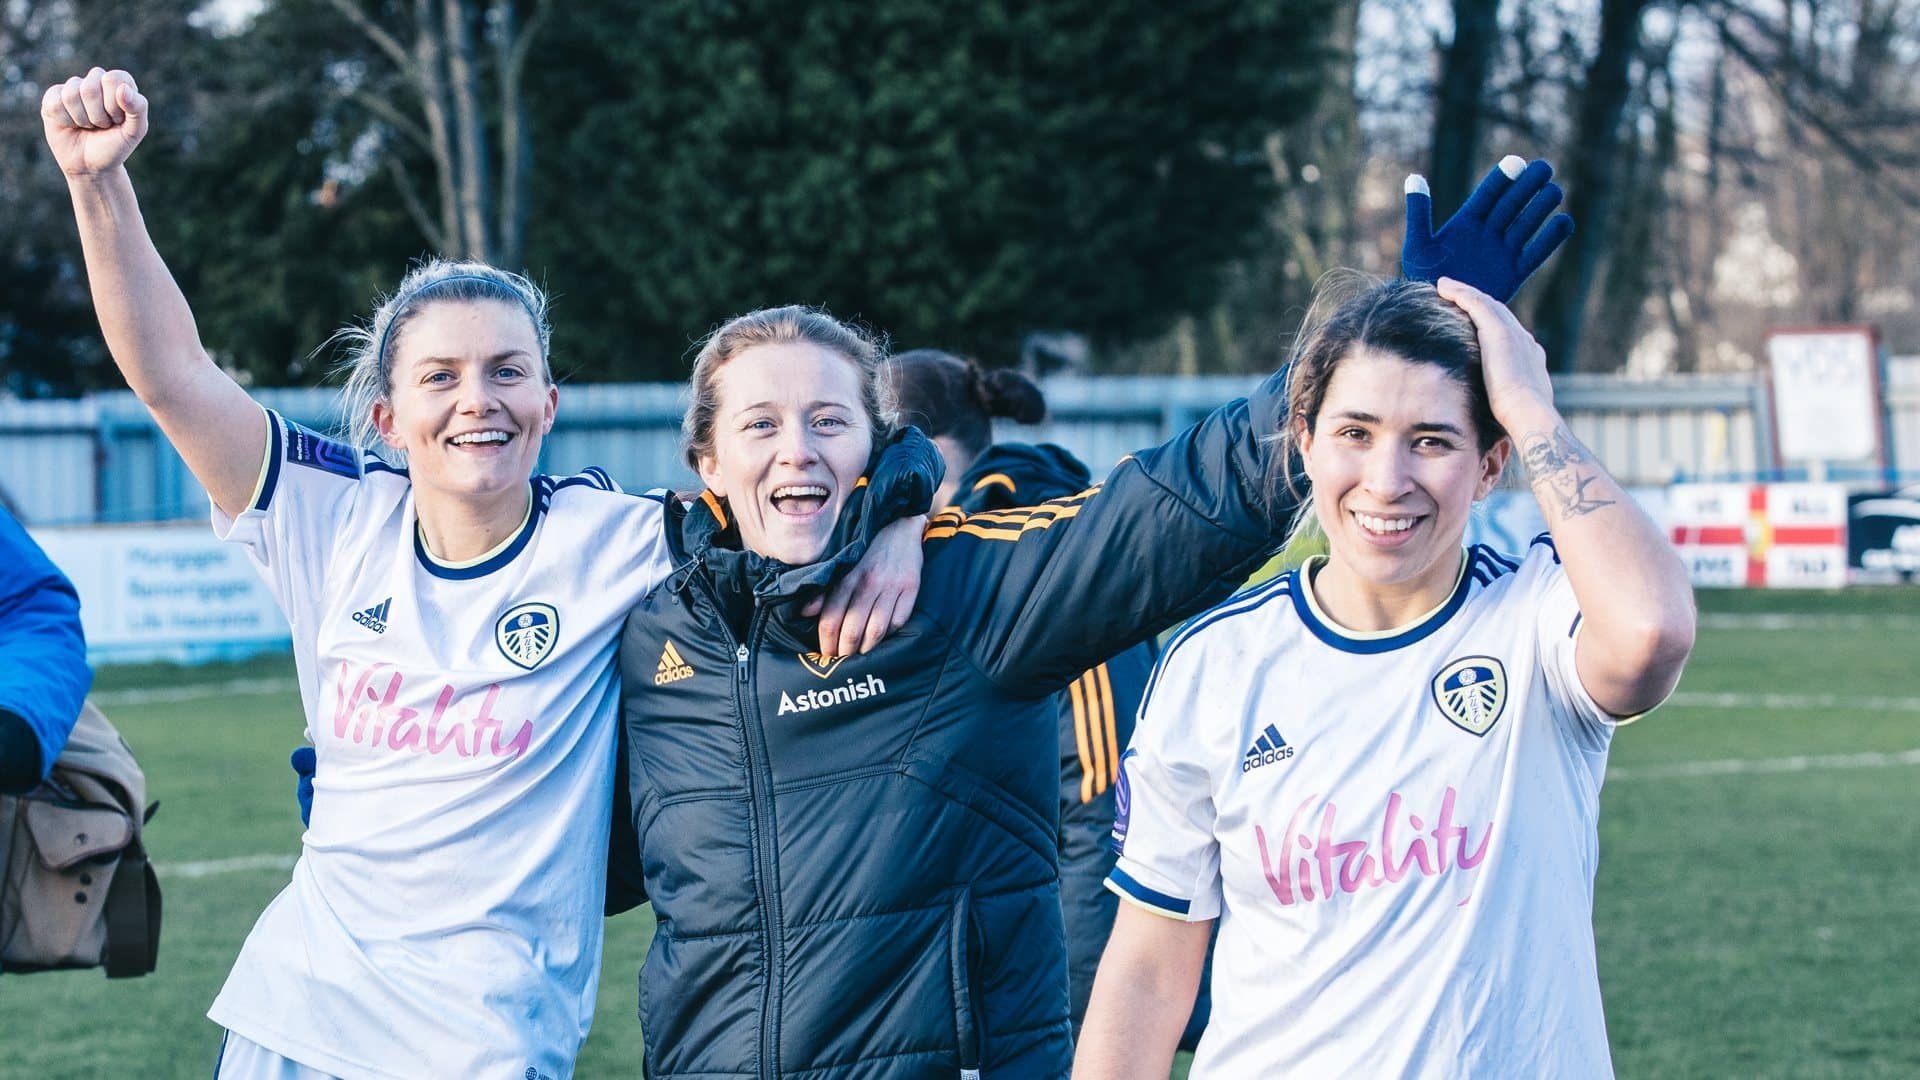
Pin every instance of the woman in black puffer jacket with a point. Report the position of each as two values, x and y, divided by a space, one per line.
853 860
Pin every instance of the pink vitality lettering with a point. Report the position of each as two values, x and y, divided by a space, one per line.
1351 865
370 715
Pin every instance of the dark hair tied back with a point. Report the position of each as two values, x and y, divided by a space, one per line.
953 396
1011 394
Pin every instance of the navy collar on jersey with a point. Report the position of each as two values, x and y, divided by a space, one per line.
540 491
1348 640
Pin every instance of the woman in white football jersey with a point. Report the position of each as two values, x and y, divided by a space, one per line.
455 623
1381 772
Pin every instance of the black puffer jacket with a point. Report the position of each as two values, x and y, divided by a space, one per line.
1095 714
853 861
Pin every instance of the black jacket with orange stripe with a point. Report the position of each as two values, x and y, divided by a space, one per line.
1096 716
853 861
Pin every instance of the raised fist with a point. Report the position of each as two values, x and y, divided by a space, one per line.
94 122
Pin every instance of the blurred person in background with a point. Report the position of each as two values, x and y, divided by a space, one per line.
955 401
44 675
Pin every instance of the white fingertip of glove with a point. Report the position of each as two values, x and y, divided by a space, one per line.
1513 165
1417 185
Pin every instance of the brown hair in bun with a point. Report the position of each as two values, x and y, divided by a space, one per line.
944 394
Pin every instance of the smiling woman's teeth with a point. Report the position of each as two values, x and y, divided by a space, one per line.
480 437
1384 525
800 500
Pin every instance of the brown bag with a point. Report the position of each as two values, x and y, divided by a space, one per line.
76 889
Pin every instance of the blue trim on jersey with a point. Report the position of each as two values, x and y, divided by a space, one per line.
507 554
1546 539
1232 605
1150 897
274 450
585 480
1506 563
1488 565
373 463
1369 646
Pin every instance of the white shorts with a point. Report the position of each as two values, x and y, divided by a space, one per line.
243 1059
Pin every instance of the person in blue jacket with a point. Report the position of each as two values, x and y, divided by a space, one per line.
44 677
954 400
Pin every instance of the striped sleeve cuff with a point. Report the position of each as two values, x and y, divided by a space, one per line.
1131 890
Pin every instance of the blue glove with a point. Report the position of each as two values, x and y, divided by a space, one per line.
303 766
1490 242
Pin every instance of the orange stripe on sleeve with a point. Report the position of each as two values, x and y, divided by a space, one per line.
1080 740
1113 739
1093 725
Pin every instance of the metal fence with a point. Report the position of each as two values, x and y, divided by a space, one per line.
101 460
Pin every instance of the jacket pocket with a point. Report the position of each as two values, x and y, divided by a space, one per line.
966 1003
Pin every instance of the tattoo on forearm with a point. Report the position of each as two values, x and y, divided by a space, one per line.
1561 471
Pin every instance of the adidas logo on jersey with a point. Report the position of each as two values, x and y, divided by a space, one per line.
1266 750
375 617
672 667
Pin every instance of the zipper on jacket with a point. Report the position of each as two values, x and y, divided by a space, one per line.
966 1008
760 822
760 782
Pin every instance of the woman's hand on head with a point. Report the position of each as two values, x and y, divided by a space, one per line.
94 121
876 597
1513 363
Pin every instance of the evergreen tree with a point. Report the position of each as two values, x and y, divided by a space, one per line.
958 175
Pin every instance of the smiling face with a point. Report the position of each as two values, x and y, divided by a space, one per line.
468 399
1395 464
791 437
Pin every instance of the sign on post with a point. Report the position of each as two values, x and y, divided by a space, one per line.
1826 395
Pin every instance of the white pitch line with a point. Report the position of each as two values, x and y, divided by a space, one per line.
1791 702
216 867
1798 622
1751 766
173 695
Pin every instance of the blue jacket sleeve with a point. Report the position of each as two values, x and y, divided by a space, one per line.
45 677
1039 595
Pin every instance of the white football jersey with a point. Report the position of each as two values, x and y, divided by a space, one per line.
444 918
1396 830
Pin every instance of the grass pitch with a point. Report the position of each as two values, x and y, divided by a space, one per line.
1758 907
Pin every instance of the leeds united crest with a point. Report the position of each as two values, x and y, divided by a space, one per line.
526 633
818 664
1472 692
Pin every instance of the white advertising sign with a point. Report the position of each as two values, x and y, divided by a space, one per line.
1824 402
1766 535
164 592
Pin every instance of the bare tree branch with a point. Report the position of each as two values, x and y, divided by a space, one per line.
416 207
388 112
465 92
382 40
